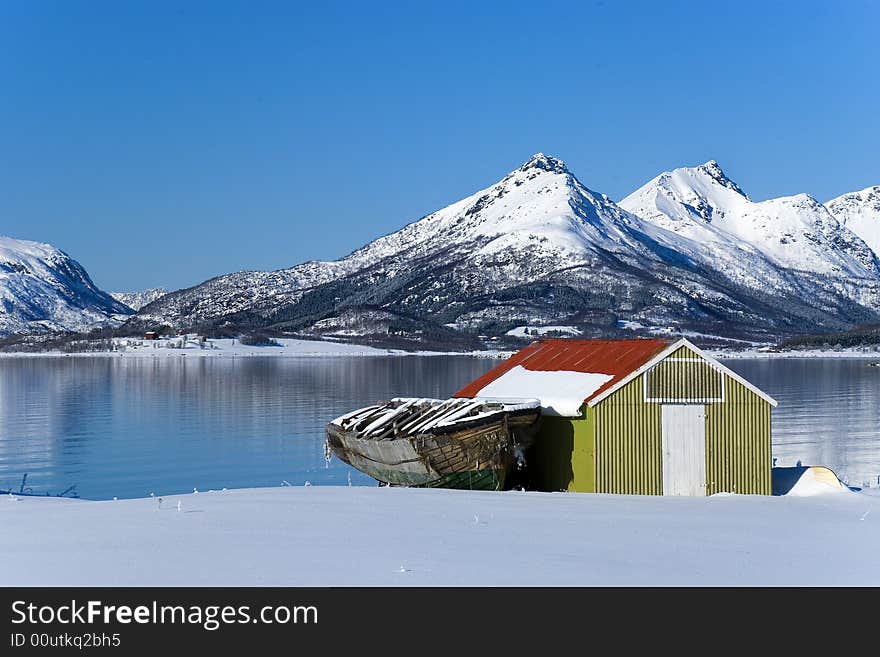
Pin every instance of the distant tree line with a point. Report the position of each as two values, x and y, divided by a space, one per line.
862 336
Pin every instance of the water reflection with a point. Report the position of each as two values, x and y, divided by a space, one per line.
828 413
129 427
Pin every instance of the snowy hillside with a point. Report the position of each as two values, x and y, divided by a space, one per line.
860 212
42 288
540 210
794 232
538 248
541 207
137 300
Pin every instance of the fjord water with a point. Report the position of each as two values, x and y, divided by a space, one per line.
129 427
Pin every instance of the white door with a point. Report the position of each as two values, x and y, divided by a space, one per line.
684 449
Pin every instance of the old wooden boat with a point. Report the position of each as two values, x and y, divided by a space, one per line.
451 443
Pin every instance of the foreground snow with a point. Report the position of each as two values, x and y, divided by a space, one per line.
382 536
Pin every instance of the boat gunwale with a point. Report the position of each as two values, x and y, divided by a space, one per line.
440 430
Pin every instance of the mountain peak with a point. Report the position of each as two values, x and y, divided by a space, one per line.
545 163
714 171
712 168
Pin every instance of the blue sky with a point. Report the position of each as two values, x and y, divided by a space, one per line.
162 143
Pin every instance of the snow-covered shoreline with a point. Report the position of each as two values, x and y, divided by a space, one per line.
364 536
806 353
297 348
232 348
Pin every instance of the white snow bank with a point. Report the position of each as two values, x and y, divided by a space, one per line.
817 480
360 536
560 392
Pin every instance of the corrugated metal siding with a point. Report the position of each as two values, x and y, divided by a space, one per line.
691 381
684 352
628 446
583 456
738 443
629 443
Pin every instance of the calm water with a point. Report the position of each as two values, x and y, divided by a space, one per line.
131 427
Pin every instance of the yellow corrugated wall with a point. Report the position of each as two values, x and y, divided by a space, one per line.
628 448
629 444
738 456
563 456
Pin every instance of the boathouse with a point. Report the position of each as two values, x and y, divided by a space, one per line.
639 416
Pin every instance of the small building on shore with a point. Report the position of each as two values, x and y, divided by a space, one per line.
638 416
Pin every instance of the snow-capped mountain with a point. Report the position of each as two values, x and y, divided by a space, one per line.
42 288
688 250
137 300
860 212
540 209
794 232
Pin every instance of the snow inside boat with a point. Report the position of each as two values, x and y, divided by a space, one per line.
436 443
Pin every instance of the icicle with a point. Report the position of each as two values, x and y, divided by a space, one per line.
328 453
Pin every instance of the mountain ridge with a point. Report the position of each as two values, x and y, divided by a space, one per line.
794 232
686 252
538 246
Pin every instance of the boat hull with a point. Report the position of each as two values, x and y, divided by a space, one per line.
476 458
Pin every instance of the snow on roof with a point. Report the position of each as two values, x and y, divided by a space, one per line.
560 392
619 360
613 359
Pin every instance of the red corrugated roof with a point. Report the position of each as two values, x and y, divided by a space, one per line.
615 357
